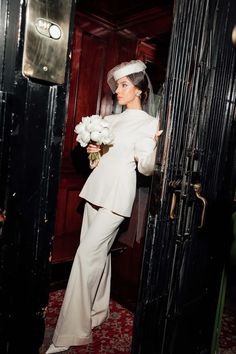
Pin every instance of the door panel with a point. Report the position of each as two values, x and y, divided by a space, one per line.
188 230
88 95
85 97
32 114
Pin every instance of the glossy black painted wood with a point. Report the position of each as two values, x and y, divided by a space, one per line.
32 127
182 263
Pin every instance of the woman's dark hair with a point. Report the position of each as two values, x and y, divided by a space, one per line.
140 81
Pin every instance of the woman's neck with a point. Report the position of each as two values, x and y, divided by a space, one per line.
134 105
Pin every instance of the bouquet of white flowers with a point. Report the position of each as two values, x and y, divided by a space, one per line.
93 129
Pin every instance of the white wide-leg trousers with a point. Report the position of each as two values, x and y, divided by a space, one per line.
86 300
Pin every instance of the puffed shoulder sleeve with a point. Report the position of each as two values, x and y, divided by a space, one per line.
145 151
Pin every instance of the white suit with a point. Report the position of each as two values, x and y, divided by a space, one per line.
109 192
112 184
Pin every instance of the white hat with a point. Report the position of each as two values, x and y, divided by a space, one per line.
124 69
128 68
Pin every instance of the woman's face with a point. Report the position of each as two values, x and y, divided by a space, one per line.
127 93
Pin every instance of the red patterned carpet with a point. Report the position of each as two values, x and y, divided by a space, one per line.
115 334
227 341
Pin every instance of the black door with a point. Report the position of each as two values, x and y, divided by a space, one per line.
188 230
34 63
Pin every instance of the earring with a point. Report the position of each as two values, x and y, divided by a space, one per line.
138 94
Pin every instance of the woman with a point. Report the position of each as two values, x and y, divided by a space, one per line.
109 193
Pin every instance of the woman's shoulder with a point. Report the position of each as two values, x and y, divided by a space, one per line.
147 117
152 121
152 118
111 116
151 125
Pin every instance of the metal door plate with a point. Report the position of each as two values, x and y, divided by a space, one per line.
46 40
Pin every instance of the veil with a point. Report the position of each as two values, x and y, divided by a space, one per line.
132 67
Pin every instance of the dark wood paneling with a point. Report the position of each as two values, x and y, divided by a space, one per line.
74 77
92 56
115 11
85 96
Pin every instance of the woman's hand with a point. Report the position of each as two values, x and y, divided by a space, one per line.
93 148
94 154
156 136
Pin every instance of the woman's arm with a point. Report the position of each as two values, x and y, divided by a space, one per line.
145 154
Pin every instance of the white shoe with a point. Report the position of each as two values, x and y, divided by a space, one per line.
52 349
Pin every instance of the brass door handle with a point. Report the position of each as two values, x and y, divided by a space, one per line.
172 206
198 189
175 188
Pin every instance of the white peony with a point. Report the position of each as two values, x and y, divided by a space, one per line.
93 129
